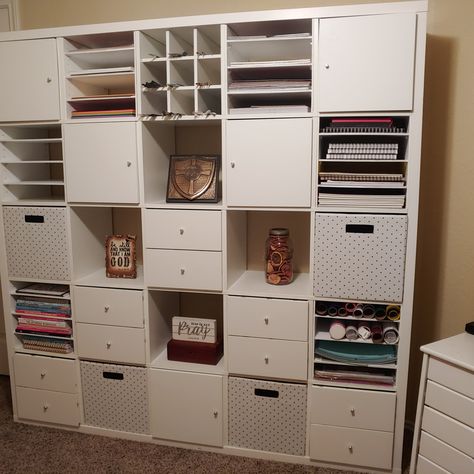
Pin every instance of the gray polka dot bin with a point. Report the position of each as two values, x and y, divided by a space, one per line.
360 256
115 397
268 416
37 242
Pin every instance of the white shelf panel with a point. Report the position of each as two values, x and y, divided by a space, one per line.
267 39
49 201
324 336
352 318
31 162
287 92
34 183
162 362
31 140
239 116
320 360
98 278
20 350
183 118
366 386
104 57
365 210
106 80
184 205
252 283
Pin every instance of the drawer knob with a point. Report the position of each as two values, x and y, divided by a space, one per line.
181 231
266 359
350 448
266 320
106 308
108 344
232 164
43 374
45 407
182 271
129 163
49 80
353 411
326 66
216 413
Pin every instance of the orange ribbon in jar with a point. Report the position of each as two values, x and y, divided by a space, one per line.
278 257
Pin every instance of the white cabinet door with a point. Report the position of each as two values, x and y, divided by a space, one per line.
186 407
101 162
366 63
269 162
29 81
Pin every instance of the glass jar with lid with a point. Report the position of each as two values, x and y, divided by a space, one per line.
279 257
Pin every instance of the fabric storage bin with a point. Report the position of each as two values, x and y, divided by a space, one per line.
360 256
115 397
37 242
267 416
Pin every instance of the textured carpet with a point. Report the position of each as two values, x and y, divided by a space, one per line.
33 449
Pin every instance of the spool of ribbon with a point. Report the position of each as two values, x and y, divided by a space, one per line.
350 307
390 333
332 309
393 312
321 308
342 311
377 333
368 311
358 311
380 312
337 330
364 330
351 332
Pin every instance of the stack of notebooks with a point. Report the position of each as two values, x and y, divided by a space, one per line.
362 151
57 346
270 64
362 125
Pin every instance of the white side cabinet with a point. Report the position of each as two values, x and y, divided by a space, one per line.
186 407
29 80
101 162
366 63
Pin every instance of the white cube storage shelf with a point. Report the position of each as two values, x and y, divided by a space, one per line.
266 93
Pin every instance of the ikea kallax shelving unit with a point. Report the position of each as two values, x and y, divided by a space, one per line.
316 114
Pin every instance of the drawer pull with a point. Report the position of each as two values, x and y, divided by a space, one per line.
353 411
129 163
359 229
106 308
266 320
45 407
108 344
182 271
232 164
350 448
262 392
266 359
181 231
34 219
112 375
43 374
215 413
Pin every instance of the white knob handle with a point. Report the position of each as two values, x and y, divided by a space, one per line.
43 374
129 163
266 359
350 448
182 271
353 412
266 320
181 231
215 413
326 66
106 308
232 164
45 406
108 344
48 80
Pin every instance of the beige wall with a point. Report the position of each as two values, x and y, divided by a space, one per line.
445 271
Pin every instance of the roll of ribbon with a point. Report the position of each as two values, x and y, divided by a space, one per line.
368 311
380 312
321 308
342 311
390 333
350 307
351 332
393 312
377 333
364 330
358 311
337 330
332 309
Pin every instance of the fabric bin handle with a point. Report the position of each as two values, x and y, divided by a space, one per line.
34 219
112 375
359 229
261 392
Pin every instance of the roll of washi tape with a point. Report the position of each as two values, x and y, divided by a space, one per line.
332 309
350 307
380 312
377 333
364 330
390 333
337 330
368 311
321 308
342 311
351 332
393 312
358 311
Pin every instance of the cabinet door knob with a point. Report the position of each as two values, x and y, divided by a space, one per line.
232 164
266 359
108 344
129 163
350 448
43 374
48 80
45 407
182 271
106 308
326 66
266 320
353 411
181 231
216 413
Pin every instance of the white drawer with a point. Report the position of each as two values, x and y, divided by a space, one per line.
116 344
183 269
185 230
267 357
46 373
351 446
270 318
108 306
450 403
448 430
424 466
457 379
353 408
444 455
47 406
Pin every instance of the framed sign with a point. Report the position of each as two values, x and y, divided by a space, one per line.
120 256
194 329
193 178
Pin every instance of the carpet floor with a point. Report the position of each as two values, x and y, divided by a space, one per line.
34 449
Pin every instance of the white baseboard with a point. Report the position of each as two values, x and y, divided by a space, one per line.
3 356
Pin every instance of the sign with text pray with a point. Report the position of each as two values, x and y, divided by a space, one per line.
194 329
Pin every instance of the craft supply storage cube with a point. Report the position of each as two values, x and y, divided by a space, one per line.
115 397
268 416
37 242
360 256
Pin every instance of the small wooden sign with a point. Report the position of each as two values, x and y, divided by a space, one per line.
194 329
120 256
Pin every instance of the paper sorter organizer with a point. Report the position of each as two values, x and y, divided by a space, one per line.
360 256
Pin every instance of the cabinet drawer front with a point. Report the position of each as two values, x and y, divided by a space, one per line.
448 430
457 379
423 466
450 403
185 230
183 269
353 408
445 455
108 306
46 406
268 357
46 373
114 344
351 446
271 318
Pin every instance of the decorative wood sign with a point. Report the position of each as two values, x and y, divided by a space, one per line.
194 329
121 256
